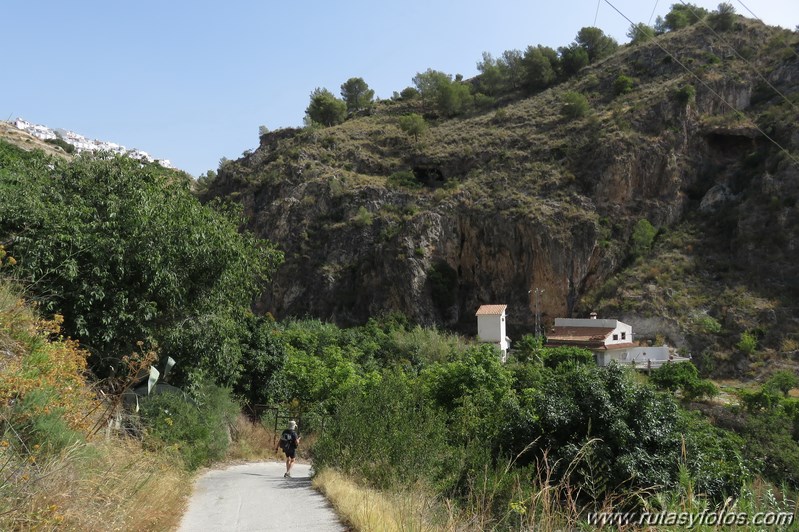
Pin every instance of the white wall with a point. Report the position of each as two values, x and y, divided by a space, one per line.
491 328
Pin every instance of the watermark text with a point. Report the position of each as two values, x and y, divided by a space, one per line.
690 520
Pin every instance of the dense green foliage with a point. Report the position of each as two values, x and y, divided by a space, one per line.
357 95
642 238
684 377
196 428
441 94
574 105
441 418
325 108
680 16
126 253
413 124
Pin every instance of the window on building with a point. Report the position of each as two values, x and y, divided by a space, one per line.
624 336
615 336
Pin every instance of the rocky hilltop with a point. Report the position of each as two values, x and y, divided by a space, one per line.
700 145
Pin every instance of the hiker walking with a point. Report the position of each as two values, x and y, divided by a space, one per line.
289 442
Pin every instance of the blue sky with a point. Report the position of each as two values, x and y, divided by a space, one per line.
193 81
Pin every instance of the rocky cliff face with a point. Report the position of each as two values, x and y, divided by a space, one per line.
489 206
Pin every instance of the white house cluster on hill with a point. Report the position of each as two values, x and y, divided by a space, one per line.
609 340
82 143
491 327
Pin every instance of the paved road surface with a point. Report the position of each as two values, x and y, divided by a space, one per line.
255 497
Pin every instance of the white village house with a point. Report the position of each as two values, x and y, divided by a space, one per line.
491 327
608 339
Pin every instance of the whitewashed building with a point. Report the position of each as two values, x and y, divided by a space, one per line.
491 327
609 340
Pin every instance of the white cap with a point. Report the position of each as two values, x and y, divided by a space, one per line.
292 424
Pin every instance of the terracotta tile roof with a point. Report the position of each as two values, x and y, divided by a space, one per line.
490 310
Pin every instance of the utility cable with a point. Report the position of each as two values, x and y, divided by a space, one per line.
596 15
714 92
653 13
742 58
788 46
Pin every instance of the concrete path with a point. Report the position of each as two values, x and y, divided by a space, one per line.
255 497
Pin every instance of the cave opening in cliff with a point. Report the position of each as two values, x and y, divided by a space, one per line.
430 176
728 146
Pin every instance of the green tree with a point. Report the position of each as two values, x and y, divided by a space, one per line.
574 105
642 238
357 95
429 84
723 19
540 65
511 69
454 99
683 15
596 43
640 32
413 124
440 92
409 93
572 59
490 79
126 252
325 108
783 381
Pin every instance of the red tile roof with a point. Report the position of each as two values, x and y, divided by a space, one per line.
490 310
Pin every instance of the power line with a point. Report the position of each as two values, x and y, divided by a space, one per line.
653 12
596 15
789 47
708 26
708 87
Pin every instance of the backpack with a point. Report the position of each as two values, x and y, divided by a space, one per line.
285 441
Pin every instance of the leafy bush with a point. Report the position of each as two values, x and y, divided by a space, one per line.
674 376
642 238
623 84
685 95
64 145
708 324
552 357
363 218
782 381
574 105
748 343
40 426
413 124
198 429
387 433
405 179
683 376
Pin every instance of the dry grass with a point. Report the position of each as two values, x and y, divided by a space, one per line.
252 442
106 486
368 509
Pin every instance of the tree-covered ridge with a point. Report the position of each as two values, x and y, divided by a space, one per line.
514 71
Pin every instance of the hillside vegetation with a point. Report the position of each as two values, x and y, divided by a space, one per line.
477 191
